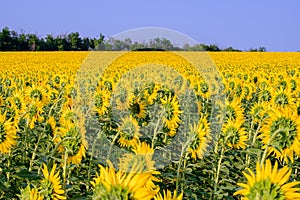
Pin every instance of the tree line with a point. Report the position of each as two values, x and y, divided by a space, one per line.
10 40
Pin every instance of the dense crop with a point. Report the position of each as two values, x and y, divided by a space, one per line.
149 125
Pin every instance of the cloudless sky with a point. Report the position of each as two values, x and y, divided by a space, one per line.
242 24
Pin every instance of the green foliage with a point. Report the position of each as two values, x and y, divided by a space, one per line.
13 41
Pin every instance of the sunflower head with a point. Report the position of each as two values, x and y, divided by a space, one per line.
129 132
172 113
268 183
51 124
122 185
234 135
265 95
115 192
31 194
36 93
233 110
246 92
17 100
283 98
70 115
200 139
8 134
167 195
50 185
102 101
283 127
73 141
259 111
138 108
143 154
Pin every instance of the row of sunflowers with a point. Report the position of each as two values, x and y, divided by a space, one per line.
149 125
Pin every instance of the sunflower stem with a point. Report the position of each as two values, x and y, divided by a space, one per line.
156 130
268 145
52 107
216 148
8 167
256 133
34 153
251 127
25 142
65 171
23 115
59 143
253 140
218 171
91 159
183 172
183 150
112 144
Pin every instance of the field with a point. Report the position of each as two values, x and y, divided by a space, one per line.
149 125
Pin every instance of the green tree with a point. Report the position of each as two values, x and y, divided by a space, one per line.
33 42
5 39
22 42
50 43
62 43
85 44
99 43
75 41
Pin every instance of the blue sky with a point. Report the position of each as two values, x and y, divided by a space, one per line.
242 24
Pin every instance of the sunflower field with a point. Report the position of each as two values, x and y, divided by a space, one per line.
149 125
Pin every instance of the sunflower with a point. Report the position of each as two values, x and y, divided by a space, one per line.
172 111
70 91
35 195
36 93
259 111
152 95
2 100
204 90
234 135
102 101
200 140
33 113
18 103
122 103
265 95
129 132
50 185
268 183
70 115
233 111
109 83
170 131
283 82
238 88
137 107
76 146
8 134
168 196
112 184
56 82
143 154
282 97
297 107
51 124
246 92
285 123
52 93
76 157
143 158
30 194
